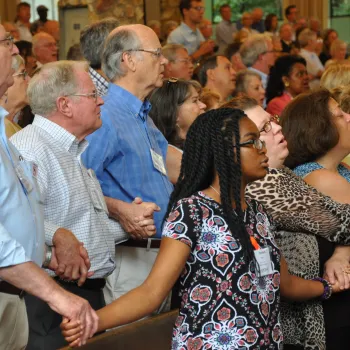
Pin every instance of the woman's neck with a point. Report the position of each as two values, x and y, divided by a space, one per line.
333 158
10 108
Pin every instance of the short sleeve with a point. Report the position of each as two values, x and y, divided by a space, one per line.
184 222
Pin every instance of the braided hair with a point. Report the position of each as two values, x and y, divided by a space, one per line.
209 147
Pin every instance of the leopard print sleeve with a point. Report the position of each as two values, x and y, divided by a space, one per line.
296 206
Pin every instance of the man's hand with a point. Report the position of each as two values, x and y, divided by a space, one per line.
136 218
207 47
76 310
72 258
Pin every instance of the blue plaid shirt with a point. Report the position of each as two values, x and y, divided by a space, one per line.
119 152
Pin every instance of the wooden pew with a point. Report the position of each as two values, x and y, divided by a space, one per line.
154 333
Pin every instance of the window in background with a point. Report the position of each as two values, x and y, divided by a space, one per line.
240 6
50 4
339 8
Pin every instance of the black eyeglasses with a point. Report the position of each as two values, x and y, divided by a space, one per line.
8 42
257 144
268 126
94 95
156 52
24 73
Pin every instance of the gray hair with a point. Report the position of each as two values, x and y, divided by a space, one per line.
169 51
53 80
17 61
252 48
92 40
116 44
304 36
242 79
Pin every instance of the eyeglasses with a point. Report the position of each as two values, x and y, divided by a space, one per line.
94 95
198 8
257 144
267 126
8 42
24 73
187 61
156 52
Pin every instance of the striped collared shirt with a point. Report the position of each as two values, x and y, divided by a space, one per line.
71 194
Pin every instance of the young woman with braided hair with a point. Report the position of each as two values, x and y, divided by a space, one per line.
219 246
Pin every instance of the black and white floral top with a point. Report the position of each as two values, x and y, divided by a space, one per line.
224 304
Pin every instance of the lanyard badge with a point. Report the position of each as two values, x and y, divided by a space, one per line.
263 258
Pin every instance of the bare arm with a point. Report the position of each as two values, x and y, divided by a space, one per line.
173 164
144 299
206 47
330 184
32 279
296 288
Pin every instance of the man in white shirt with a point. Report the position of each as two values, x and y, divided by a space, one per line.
67 108
225 30
22 21
308 43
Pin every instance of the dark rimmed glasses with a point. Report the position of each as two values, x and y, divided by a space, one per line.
257 144
7 42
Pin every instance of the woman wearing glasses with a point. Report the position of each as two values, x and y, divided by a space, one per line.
217 247
15 99
310 227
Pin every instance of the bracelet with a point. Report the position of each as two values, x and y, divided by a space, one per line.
327 292
48 256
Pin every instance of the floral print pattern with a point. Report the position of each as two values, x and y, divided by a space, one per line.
224 303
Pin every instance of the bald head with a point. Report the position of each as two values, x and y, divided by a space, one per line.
257 14
44 48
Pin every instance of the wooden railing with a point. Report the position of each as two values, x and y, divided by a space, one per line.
154 333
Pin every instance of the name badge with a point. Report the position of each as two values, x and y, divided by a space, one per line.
158 162
263 258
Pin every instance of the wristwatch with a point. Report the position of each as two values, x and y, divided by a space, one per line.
48 257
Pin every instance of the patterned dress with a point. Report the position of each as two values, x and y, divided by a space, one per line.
224 304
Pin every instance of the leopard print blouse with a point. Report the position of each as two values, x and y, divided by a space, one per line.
300 213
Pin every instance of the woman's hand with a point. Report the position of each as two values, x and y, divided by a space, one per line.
72 332
337 267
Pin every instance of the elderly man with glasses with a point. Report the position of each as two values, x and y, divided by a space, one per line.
128 153
67 108
22 241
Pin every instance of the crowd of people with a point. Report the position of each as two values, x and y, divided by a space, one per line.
159 168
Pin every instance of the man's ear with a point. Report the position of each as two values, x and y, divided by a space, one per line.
129 61
210 74
64 106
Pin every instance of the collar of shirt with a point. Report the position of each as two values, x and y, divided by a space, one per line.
68 141
3 114
186 28
136 106
97 76
263 75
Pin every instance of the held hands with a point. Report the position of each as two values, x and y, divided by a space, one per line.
207 47
72 332
138 220
70 259
337 272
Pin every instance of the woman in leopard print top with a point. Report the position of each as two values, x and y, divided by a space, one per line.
310 227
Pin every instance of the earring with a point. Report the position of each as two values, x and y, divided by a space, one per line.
286 84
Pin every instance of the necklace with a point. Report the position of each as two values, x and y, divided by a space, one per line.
214 190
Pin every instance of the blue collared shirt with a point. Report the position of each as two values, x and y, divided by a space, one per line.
186 37
21 215
119 152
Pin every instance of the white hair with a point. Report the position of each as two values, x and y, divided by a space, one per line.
252 48
53 80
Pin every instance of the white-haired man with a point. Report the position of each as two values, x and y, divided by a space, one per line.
128 153
67 109
258 55
22 241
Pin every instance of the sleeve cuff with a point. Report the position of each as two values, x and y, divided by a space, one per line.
50 230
